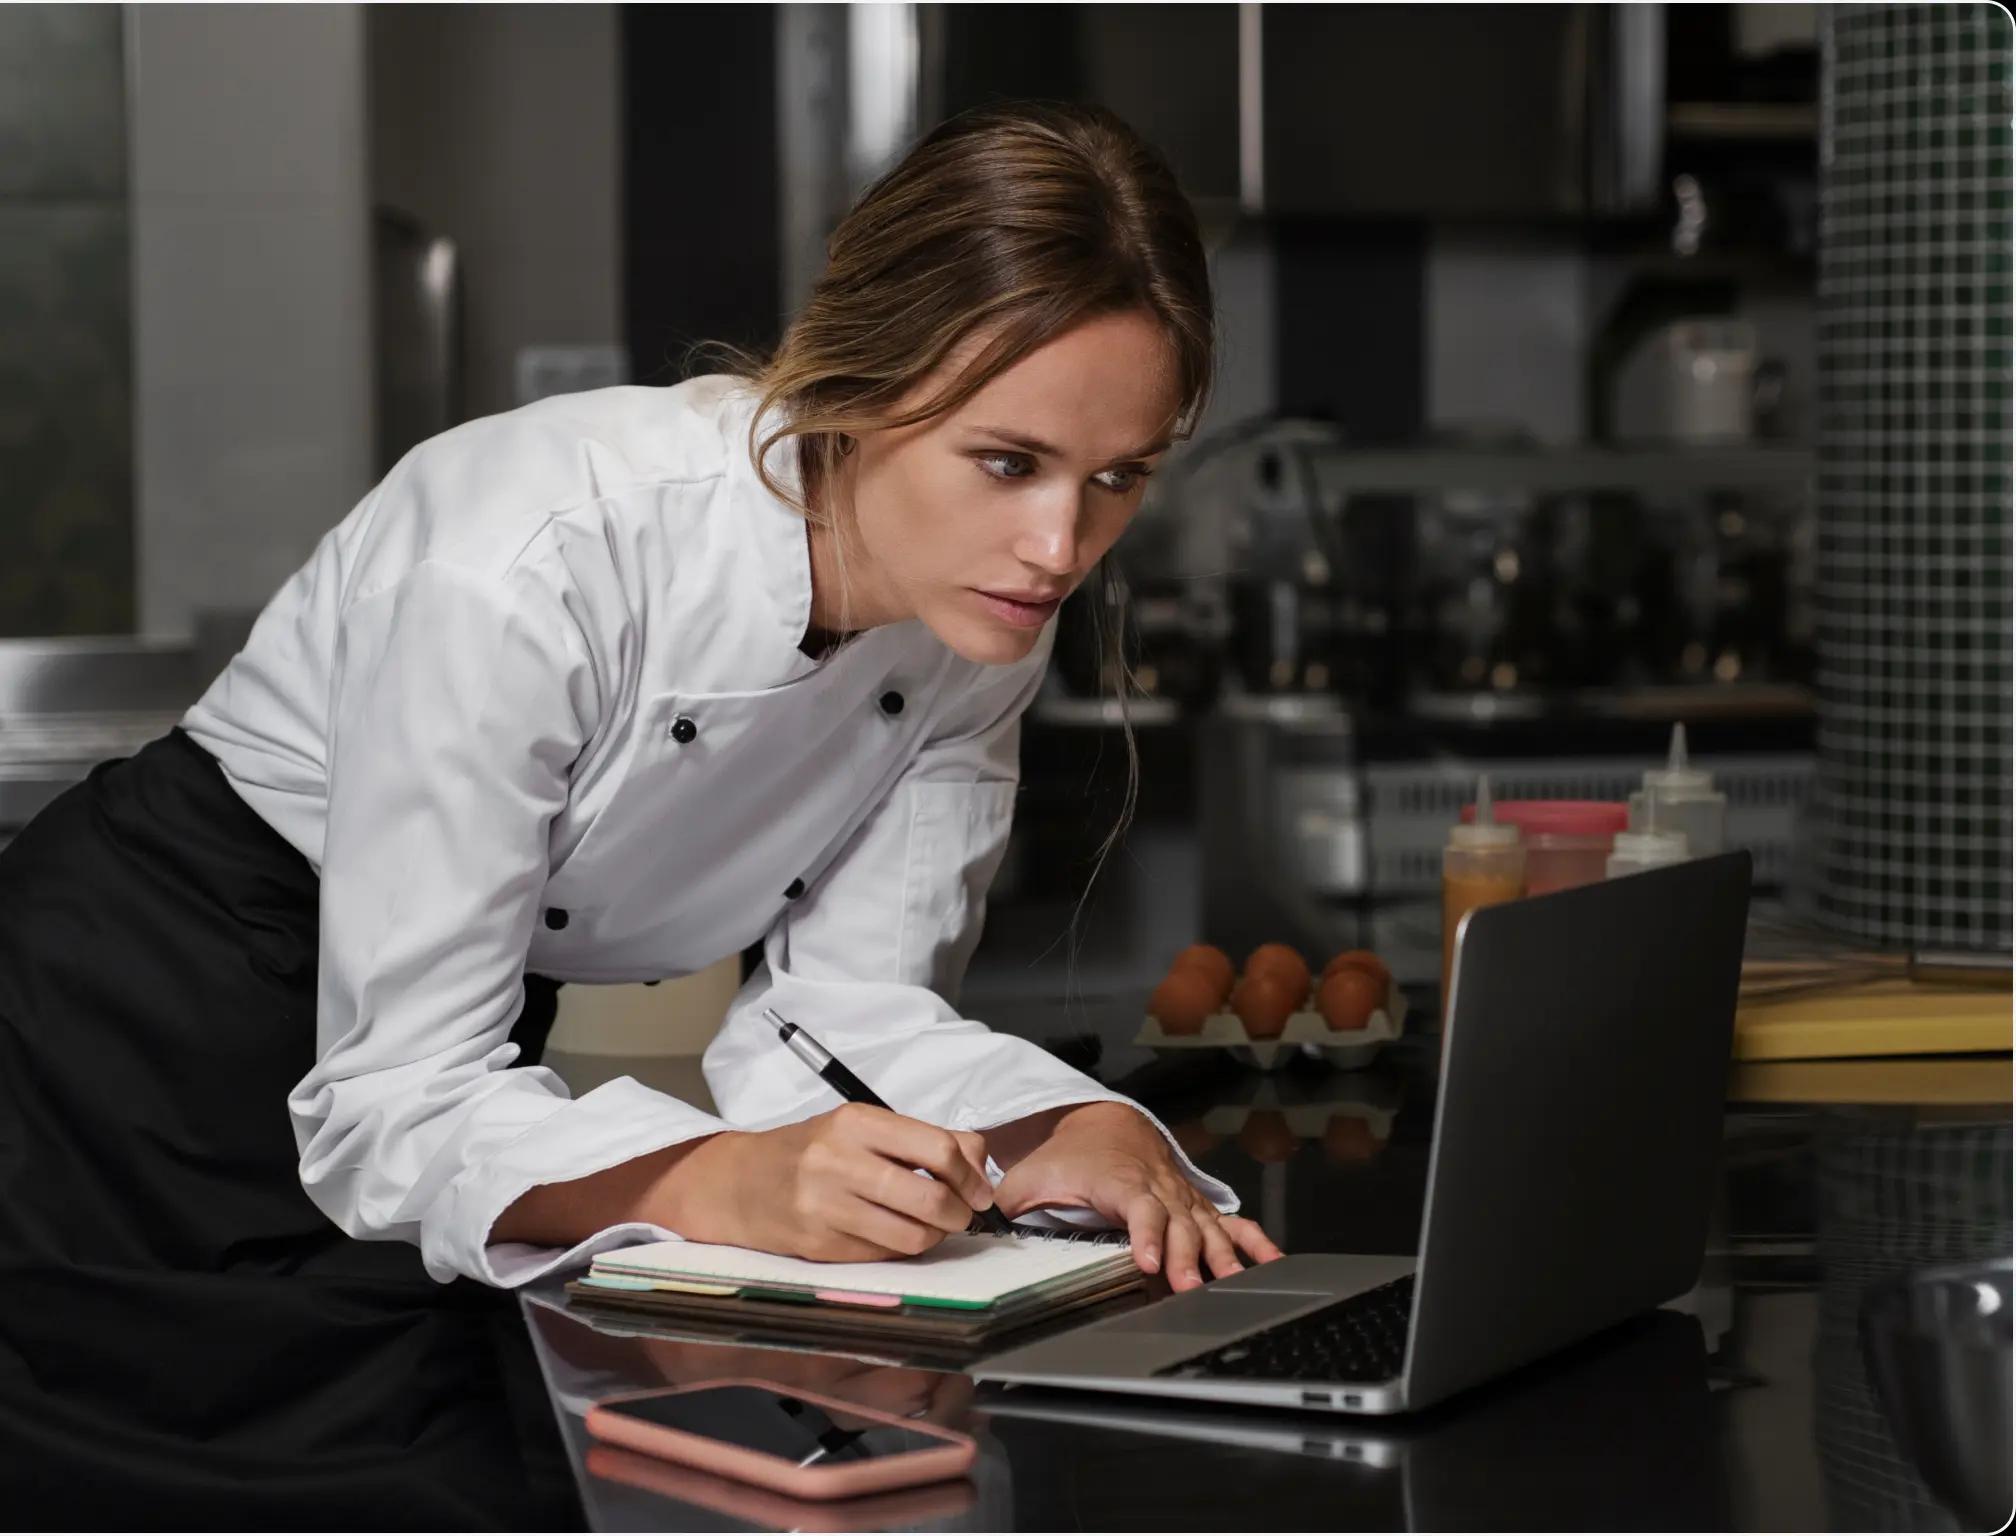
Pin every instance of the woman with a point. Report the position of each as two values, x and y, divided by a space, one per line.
601 690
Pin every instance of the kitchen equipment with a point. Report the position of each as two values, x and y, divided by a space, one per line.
1709 375
68 704
417 318
1784 957
1696 379
1938 1343
1481 591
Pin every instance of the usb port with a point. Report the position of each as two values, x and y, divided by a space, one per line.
1352 1399
1315 1399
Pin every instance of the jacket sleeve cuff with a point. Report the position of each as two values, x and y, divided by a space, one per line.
614 1123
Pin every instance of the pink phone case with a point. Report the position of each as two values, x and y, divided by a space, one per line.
927 1503
607 1423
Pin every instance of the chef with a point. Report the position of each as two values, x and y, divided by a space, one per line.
603 689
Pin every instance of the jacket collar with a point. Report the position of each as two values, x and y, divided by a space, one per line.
781 556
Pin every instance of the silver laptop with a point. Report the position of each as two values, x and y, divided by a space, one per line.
1573 1160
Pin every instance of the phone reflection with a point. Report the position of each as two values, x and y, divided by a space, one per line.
586 1361
932 1503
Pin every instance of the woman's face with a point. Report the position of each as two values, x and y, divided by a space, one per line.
981 521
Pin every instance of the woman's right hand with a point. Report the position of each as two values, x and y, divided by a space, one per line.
838 1187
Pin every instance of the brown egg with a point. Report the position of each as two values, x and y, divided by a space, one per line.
1211 961
1361 960
1280 960
1194 1137
1348 1139
1265 1137
1183 1001
1263 1003
1348 999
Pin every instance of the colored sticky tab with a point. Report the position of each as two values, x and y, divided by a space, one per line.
618 1283
765 1293
861 1298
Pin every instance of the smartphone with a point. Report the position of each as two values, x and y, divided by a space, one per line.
778 1437
929 1503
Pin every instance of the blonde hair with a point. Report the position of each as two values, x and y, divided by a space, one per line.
1016 220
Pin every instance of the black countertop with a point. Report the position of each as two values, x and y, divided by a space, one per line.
1746 1405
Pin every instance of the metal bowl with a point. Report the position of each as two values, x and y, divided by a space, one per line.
1937 1342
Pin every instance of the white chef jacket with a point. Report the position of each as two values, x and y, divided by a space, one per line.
537 703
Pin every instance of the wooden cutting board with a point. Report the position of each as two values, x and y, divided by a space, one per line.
1887 1018
1915 1080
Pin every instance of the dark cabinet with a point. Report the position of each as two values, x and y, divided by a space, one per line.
1172 71
1461 111
1444 111
1355 111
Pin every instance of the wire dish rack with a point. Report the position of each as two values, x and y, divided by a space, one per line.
1409 807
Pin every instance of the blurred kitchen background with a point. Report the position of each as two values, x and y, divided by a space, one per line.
1531 436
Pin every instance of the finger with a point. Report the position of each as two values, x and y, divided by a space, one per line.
896 1187
834 1246
1184 1245
932 1148
974 1148
1147 1228
1218 1250
894 1234
1247 1234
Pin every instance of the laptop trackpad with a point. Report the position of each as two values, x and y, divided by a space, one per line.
1216 1313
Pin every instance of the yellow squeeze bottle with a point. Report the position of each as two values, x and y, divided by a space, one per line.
1484 862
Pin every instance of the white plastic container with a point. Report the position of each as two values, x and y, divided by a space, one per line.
1650 849
1686 802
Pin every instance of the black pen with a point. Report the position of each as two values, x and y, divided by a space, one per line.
852 1089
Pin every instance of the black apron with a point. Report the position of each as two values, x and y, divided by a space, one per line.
185 1339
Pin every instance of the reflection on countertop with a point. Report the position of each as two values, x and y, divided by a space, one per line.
1744 1405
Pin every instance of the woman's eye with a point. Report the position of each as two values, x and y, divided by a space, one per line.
1003 458
1130 478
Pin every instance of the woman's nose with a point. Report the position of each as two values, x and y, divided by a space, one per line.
1050 539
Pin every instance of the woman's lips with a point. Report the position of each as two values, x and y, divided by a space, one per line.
1016 611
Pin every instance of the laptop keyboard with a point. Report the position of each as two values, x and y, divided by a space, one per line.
1362 1338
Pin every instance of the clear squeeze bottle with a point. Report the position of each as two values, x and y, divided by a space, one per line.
1483 863
1688 800
1646 847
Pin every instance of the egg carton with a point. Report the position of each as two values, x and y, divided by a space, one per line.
1305 1034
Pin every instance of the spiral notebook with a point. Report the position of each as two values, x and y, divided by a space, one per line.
967 1271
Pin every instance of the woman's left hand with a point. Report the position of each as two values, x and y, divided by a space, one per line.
1108 1157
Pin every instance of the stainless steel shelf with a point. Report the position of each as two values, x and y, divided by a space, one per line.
1567 469
1788 121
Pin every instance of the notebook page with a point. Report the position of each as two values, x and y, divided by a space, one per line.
969 1267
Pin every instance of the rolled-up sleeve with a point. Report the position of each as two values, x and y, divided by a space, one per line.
460 701
870 961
